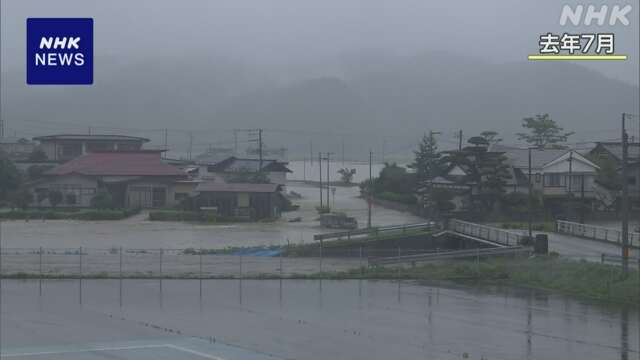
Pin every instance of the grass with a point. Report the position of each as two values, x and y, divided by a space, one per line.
312 249
582 279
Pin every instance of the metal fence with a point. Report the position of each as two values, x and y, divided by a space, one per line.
185 263
596 232
488 233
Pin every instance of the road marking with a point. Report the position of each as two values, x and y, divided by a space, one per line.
116 348
207 356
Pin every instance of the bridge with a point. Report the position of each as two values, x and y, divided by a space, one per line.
572 240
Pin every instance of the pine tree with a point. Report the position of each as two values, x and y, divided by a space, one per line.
427 160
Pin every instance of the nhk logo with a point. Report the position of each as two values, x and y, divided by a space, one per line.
59 51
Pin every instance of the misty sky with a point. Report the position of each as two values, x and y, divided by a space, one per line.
292 40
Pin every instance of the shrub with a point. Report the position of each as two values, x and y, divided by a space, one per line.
21 198
408 199
102 200
55 197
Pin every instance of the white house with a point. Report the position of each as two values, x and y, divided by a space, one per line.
554 172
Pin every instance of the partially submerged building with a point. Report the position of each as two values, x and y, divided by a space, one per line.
243 201
135 179
233 169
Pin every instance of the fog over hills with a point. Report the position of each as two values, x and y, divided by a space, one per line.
368 102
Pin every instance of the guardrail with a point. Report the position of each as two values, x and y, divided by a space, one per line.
374 231
617 260
489 233
596 232
449 255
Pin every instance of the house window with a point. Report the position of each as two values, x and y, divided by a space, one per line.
538 177
179 196
553 180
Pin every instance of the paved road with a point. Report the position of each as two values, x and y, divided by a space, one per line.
572 246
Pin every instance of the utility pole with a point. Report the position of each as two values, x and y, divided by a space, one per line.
370 190
1 127
235 142
260 147
625 199
569 190
304 169
530 199
190 144
328 176
166 138
384 150
320 167
582 199
311 152
460 140
343 151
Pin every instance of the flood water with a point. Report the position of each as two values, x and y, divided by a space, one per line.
314 319
138 232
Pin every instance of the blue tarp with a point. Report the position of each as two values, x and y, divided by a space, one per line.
258 252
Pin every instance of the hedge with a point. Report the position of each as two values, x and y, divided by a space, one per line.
68 214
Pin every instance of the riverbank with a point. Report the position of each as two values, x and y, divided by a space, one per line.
581 279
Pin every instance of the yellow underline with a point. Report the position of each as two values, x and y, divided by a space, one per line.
576 57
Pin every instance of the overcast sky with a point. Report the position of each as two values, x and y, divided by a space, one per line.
313 35
267 45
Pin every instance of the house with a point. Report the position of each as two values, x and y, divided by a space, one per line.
135 179
610 153
65 147
233 167
555 173
17 149
247 201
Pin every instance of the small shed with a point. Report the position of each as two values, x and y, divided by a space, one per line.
239 200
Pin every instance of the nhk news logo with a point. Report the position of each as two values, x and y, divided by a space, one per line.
598 45
59 51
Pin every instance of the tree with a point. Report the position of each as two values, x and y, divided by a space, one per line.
21 198
10 178
395 179
55 197
440 201
427 160
491 136
607 175
347 175
35 171
543 132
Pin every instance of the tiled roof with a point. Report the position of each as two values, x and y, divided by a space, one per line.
139 163
210 186
615 148
519 158
87 137
234 164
